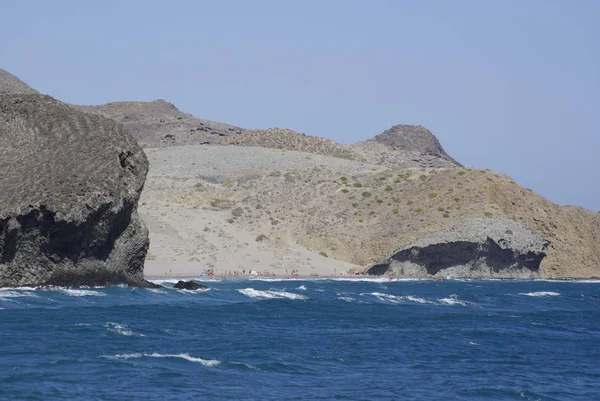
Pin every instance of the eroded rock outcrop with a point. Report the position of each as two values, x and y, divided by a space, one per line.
189 285
477 248
69 187
406 146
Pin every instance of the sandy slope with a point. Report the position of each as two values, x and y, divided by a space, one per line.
190 232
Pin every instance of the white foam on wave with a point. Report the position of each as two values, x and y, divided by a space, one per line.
187 357
452 300
373 279
183 291
82 293
396 299
302 288
122 356
270 294
121 329
247 365
540 294
6 294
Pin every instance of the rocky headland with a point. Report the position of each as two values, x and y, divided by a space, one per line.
69 190
223 197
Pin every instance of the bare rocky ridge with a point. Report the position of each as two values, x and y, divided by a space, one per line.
405 146
69 188
11 84
160 123
476 248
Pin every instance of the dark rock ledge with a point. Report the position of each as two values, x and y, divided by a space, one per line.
477 248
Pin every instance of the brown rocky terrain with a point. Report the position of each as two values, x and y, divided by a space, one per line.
221 197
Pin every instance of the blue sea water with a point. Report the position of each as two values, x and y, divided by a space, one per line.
304 340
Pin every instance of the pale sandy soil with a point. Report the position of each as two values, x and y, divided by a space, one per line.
189 236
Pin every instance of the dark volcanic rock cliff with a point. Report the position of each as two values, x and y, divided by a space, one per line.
477 248
69 189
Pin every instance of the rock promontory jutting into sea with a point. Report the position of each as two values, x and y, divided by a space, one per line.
69 189
226 198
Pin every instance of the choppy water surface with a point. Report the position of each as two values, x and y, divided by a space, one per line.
304 340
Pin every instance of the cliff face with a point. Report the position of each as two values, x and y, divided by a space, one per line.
69 188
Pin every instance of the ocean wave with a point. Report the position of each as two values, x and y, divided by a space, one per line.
14 293
122 356
373 279
246 365
270 294
540 294
187 357
396 299
452 300
184 291
82 293
302 288
121 329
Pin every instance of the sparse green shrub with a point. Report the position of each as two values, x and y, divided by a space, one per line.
361 220
461 173
396 211
227 184
355 204
488 214
344 179
396 181
441 209
388 189
422 177
237 212
490 179
379 201
432 195
345 191
382 178
358 185
456 200
418 210
445 215
366 194
409 203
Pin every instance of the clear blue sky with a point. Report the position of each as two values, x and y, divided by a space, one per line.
509 85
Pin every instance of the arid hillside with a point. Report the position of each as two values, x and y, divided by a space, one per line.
219 196
358 212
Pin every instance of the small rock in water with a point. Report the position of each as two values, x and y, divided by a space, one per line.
189 285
